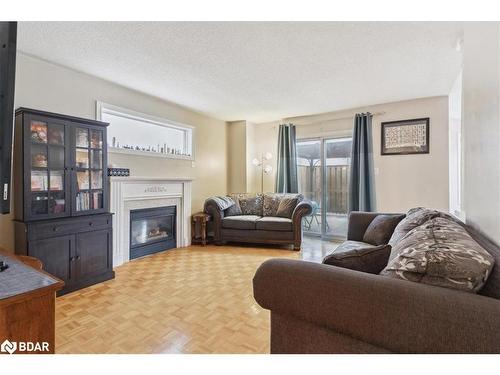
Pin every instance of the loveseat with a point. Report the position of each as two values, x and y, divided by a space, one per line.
258 218
320 308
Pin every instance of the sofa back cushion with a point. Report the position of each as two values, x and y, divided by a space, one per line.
271 203
286 206
250 204
381 228
414 218
441 252
234 210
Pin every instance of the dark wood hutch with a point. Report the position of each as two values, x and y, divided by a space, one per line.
61 196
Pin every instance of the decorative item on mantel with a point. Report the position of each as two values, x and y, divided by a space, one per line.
120 172
265 169
158 148
114 171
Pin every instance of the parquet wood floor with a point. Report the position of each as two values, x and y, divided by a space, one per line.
189 300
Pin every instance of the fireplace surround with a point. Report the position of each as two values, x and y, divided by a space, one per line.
135 193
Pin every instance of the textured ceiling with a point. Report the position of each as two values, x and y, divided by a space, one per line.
258 71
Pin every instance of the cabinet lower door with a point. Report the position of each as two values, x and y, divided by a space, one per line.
93 253
56 255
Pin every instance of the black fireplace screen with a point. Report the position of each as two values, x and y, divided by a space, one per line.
152 230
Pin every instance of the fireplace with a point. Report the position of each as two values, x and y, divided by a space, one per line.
152 230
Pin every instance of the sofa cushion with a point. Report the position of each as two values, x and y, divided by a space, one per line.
380 229
414 218
440 252
359 256
233 210
274 223
271 203
251 205
240 222
286 206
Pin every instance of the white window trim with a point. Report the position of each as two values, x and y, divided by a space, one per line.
455 140
113 109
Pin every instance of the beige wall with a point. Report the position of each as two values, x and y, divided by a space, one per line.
402 181
241 177
237 157
264 139
46 86
251 153
481 138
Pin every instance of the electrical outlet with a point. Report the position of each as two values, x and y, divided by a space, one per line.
5 191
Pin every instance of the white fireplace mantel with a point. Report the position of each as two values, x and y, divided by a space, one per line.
129 193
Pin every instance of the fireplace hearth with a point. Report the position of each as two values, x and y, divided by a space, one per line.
152 230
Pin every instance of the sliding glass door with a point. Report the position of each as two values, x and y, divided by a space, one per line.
310 181
323 168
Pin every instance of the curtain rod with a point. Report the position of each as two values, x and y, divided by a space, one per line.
337 119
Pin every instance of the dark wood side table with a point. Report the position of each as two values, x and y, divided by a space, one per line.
199 227
27 305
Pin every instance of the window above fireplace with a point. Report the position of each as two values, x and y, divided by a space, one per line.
140 134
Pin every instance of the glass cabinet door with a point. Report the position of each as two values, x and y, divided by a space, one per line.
47 169
89 169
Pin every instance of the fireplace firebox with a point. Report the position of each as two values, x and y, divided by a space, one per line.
152 230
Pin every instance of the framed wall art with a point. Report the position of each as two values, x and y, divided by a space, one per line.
405 137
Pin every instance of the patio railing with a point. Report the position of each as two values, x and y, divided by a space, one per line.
337 185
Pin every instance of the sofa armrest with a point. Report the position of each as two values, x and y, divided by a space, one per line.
358 223
212 208
302 209
397 315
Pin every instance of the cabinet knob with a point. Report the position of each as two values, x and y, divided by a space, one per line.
78 257
55 229
71 259
90 224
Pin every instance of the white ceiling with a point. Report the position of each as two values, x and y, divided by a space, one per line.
258 71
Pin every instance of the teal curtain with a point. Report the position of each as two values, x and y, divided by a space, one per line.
362 181
286 176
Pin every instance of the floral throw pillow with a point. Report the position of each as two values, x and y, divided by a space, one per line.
251 205
414 218
440 252
271 203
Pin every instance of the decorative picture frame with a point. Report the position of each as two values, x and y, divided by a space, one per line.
405 137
